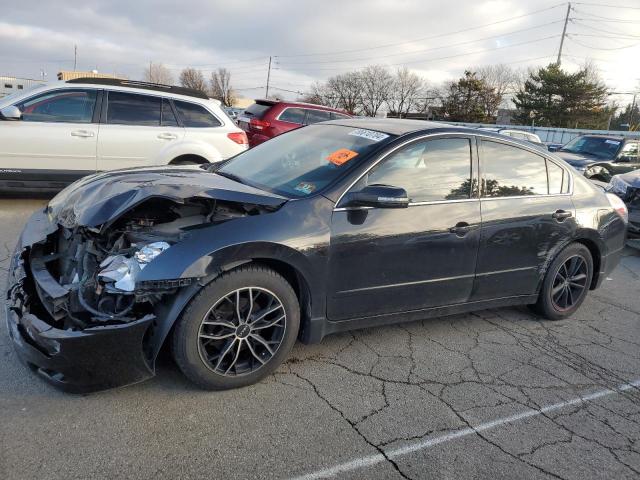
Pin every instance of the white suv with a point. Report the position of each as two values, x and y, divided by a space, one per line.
52 135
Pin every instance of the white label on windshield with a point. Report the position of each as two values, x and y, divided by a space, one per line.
369 134
612 142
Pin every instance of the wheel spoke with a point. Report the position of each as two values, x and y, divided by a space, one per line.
253 352
238 306
235 359
261 340
220 324
557 289
580 276
265 314
224 353
250 306
270 324
216 337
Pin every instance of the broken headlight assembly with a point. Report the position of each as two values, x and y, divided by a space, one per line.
120 272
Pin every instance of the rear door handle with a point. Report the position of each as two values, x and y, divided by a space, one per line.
167 136
82 133
461 229
561 215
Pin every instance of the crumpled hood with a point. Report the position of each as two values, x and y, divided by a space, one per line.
103 197
631 178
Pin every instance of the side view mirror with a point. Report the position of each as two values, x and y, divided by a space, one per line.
380 196
11 113
553 148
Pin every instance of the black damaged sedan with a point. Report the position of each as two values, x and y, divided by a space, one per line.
335 226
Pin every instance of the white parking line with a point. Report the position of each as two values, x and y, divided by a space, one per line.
427 443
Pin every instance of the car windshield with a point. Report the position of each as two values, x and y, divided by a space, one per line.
600 147
303 161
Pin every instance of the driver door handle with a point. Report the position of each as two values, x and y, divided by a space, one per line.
167 136
82 133
561 215
461 229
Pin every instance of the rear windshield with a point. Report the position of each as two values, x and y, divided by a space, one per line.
304 161
257 110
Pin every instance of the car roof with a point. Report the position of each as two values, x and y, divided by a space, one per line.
262 101
394 126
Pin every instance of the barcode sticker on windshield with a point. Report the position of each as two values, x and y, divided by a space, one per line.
369 134
612 142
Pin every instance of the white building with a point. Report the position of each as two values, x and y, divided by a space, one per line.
9 85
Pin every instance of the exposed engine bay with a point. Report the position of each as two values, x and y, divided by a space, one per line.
96 268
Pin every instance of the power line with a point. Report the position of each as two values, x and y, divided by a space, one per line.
421 51
600 29
607 5
591 47
426 60
431 37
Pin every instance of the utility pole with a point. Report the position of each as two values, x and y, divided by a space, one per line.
75 57
633 105
266 94
564 33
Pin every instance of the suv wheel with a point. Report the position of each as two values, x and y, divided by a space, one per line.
238 329
566 283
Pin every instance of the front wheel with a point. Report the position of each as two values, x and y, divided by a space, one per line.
238 329
566 283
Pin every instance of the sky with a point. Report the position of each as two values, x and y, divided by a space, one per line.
311 40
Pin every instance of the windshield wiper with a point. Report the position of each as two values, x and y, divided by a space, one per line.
230 176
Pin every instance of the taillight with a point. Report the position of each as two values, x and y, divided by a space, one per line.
259 124
238 137
619 206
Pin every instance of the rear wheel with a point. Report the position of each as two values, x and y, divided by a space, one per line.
238 329
566 283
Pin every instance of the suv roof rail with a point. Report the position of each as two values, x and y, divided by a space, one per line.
158 87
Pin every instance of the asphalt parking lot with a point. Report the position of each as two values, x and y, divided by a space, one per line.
494 394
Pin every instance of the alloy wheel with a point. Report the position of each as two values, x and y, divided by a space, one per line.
570 283
242 331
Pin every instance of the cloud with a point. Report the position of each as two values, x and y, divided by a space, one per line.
123 37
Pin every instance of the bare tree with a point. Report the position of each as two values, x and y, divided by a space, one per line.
320 94
502 78
377 83
346 89
192 78
407 88
158 73
221 87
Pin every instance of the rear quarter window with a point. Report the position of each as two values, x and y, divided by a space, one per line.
292 115
195 116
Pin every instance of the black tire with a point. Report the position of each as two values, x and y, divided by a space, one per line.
552 303
195 355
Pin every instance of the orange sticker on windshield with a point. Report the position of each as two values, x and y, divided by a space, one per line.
341 156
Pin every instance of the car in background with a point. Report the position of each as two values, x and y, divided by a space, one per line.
52 135
519 134
600 157
233 112
266 119
627 187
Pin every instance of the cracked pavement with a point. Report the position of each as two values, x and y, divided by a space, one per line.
493 394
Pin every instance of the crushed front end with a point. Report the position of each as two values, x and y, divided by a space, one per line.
627 187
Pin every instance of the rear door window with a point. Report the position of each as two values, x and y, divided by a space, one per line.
133 109
195 116
510 171
293 115
60 106
315 116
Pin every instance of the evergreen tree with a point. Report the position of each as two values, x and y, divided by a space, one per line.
555 98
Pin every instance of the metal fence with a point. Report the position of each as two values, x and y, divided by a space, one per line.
551 134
